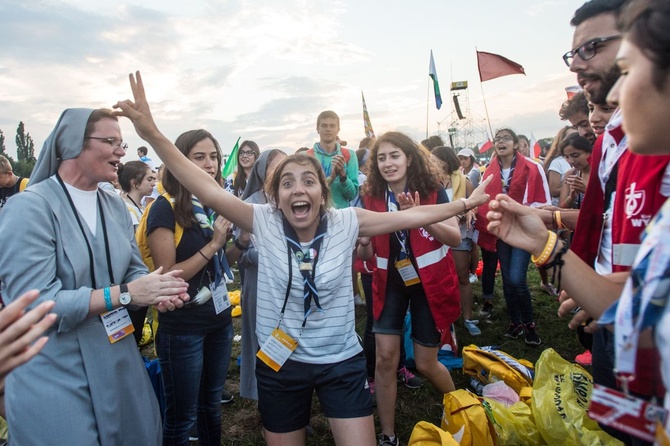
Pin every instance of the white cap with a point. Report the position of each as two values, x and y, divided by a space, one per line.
466 152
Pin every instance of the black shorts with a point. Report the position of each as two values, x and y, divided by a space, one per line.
285 397
392 319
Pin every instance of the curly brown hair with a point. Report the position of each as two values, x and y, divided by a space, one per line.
422 176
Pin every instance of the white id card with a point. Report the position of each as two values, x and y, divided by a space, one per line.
276 350
117 324
407 272
220 297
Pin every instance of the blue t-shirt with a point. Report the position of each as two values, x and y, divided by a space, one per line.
202 318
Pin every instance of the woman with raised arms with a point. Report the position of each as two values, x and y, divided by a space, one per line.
305 320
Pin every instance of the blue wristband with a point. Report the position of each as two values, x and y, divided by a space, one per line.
108 299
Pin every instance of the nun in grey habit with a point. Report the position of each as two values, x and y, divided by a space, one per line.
248 261
80 389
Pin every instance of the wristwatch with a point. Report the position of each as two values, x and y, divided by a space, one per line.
124 298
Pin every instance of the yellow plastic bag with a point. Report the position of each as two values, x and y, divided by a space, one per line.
514 425
234 297
237 311
489 365
427 434
466 419
561 394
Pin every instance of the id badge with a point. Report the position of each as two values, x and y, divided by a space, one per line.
220 297
629 414
117 324
407 272
276 350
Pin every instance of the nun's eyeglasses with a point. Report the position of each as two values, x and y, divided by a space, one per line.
115 143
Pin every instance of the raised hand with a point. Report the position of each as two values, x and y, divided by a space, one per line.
517 225
138 110
222 228
479 195
406 201
21 333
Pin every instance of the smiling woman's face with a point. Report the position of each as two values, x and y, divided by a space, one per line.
645 109
300 198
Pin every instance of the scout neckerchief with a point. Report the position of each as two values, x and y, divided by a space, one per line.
511 172
393 206
83 233
205 219
306 262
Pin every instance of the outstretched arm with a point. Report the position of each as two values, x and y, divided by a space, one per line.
198 182
522 227
371 224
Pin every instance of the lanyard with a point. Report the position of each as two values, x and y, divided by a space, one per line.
83 233
392 206
307 264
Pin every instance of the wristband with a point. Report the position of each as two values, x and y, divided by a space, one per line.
200 251
547 250
108 299
465 204
239 245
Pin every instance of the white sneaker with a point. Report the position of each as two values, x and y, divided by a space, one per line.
473 278
471 325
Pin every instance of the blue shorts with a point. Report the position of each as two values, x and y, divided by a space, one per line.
466 245
285 397
392 319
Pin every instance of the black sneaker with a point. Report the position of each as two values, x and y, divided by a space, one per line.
513 331
531 335
487 310
226 397
386 441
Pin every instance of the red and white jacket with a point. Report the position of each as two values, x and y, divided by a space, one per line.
435 265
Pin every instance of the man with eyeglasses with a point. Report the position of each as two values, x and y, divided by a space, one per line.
621 198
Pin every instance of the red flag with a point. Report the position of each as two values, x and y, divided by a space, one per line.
484 146
572 90
492 66
535 147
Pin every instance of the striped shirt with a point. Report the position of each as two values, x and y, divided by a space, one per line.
329 336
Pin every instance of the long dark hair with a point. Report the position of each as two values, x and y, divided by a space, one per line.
132 170
183 209
240 181
421 174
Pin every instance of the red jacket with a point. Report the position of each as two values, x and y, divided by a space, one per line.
529 185
436 270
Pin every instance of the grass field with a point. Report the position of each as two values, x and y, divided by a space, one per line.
241 422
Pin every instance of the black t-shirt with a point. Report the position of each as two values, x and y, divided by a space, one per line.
6 192
394 245
202 318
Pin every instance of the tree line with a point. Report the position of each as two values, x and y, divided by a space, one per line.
25 151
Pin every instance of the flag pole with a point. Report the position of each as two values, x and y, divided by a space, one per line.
427 105
486 109
481 84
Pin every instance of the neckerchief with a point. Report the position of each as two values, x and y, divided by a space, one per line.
393 206
205 218
318 150
505 185
306 262
645 294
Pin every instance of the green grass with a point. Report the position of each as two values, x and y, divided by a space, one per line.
241 422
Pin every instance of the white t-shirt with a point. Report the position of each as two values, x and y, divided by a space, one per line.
328 336
86 202
560 166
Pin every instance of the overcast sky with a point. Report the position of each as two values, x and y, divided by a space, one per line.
263 70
